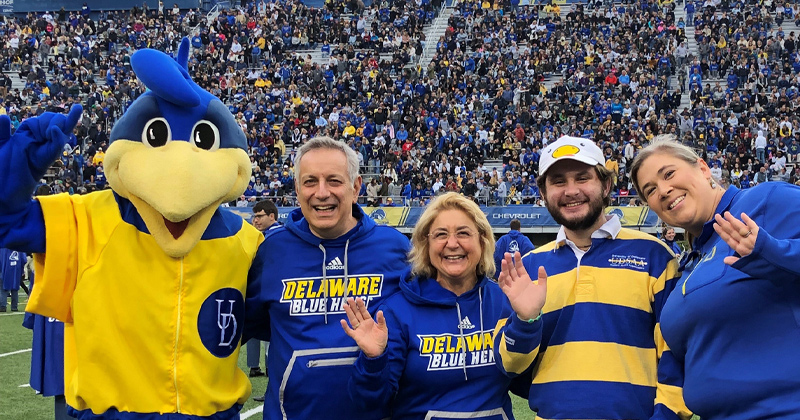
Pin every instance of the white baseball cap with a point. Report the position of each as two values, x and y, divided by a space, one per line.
567 147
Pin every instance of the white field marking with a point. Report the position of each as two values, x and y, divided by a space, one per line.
24 386
15 352
253 411
13 313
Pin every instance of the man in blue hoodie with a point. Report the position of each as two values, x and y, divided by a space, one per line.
328 250
511 242
12 265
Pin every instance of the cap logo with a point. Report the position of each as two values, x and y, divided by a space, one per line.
566 150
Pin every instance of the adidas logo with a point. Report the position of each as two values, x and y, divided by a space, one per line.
335 264
465 324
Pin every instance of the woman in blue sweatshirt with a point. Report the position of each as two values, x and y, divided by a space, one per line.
734 317
668 236
428 354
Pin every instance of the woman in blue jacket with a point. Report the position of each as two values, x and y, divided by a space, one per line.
428 354
734 317
668 236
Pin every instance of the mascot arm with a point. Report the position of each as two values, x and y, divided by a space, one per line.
24 159
57 269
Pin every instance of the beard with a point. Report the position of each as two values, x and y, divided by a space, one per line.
596 207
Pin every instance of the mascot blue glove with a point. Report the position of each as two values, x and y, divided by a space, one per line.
24 159
149 276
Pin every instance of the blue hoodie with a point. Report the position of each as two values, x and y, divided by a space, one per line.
298 284
512 242
426 371
736 328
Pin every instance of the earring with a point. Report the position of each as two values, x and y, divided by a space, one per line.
711 181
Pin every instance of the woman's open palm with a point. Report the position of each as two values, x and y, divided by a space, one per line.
526 296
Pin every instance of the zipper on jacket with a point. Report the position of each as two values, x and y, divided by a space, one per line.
342 361
177 335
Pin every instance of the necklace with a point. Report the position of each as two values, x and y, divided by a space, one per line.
584 247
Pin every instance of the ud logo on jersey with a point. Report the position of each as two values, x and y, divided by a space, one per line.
224 321
219 322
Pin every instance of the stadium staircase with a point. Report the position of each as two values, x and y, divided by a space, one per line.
691 45
433 32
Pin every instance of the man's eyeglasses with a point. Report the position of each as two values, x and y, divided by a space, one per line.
258 216
443 235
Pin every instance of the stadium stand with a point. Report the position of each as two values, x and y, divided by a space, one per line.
435 96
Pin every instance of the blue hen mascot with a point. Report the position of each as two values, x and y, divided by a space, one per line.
148 277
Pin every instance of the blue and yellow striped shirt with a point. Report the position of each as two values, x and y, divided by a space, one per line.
597 352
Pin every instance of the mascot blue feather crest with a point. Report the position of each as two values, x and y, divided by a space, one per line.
174 96
177 153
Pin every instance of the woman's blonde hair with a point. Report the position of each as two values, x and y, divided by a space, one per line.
666 144
419 256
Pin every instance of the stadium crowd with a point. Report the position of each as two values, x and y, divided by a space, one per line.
473 120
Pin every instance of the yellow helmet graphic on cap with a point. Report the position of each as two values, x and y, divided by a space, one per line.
565 150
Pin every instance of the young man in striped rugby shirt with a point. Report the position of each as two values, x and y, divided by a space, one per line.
587 332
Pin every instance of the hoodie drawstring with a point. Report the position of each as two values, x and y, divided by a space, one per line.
346 277
463 341
480 302
325 279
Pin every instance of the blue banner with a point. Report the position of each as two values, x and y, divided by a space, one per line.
499 217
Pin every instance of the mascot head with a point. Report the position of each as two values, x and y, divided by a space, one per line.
177 153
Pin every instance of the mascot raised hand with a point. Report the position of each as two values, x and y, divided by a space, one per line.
150 275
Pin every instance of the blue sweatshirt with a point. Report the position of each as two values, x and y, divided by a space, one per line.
736 328
439 361
12 266
298 284
512 242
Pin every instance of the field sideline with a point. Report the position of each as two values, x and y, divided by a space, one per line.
20 402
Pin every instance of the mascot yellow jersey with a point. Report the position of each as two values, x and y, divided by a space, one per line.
177 349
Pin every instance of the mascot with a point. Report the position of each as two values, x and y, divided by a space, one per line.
148 277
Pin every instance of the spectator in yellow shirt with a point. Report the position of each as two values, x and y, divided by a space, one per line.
99 156
612 164
349 130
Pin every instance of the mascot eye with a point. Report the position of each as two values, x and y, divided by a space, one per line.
156 133
205 135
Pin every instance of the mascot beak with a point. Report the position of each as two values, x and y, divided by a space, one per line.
177 187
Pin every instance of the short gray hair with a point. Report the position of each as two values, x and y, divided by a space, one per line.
325 142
